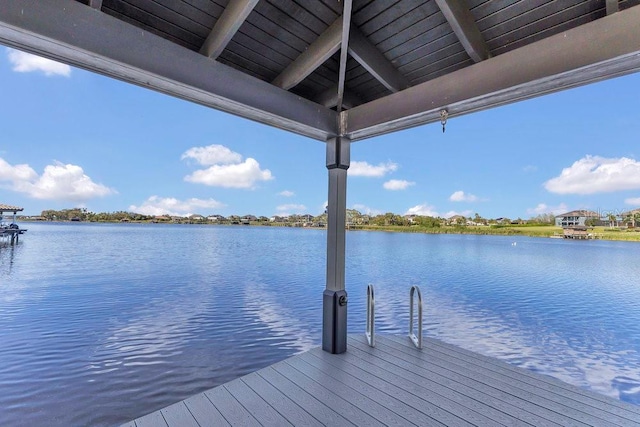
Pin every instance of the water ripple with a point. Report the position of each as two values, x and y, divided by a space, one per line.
139 317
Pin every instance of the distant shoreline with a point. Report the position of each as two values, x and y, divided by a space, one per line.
601 233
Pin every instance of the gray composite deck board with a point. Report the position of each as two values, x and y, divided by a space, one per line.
413 415
492 408
504 391
178 414
429 408
552 393
307 401
230 408
256 405
477 412
354 395
548 397
351 412
205 413
154 419
280 402
532 377
471 387
395 384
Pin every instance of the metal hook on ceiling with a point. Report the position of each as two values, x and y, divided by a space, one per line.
444 114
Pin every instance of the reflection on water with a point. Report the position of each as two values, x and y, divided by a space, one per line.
140 316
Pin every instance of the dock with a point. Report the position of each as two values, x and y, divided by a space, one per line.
578 233
394 383
10 233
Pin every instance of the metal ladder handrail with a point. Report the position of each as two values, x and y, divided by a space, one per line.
417 340
370 331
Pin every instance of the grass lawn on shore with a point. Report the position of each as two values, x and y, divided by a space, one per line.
605 233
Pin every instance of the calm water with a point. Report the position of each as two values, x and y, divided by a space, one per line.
100 324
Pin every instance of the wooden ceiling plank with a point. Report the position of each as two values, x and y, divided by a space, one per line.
523 24
392 37
124 17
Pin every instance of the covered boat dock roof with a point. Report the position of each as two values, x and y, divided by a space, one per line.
9 208
385 64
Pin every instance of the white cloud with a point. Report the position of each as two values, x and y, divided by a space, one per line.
155 205
58 182
635 201
365 169
366 209
17 173
461 196
543 208
23 62
466 213
226 168
424 209
212 155
242 175
397 184
291 207
594 174
286 193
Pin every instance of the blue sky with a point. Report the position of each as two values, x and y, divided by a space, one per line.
72 138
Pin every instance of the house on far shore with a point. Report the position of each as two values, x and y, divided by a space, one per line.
457 220
194 218
411 218
577 218
631 218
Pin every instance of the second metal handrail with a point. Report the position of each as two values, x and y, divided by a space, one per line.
417 340
370 331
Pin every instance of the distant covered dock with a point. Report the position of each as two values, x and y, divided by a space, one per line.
10 232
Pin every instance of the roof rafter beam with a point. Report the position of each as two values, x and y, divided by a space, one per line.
329 43
226 26
329 98
465 28
363 51
101 43
316 54
344 44
601 49
96 4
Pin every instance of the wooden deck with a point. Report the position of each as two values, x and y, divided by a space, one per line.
394 384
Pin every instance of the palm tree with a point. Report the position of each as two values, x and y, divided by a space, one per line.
611 218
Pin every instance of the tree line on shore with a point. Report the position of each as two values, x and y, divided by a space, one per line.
354 217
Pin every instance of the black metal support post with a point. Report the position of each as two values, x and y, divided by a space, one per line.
334 318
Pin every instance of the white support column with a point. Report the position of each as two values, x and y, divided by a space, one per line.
334 319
